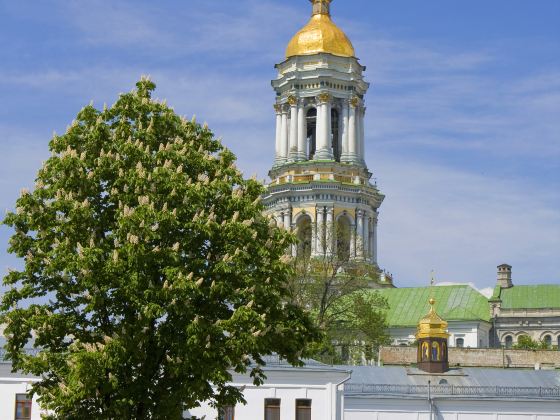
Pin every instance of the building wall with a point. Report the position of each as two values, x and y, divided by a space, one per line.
320 387
478 357
8 390
530 323
474 334
364 408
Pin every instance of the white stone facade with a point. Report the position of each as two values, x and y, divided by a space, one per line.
322 387
12 385
320 183
313 89
398 393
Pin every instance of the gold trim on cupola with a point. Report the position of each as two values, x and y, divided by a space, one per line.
432 325
320 35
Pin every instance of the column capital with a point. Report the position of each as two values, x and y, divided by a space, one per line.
330 210
324 98
354 102
278 108
292 100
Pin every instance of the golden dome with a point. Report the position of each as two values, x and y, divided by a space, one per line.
320 35
432 325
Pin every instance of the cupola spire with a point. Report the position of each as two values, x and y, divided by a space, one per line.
321 7
320 35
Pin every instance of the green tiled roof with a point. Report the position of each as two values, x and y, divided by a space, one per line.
531 297
453 303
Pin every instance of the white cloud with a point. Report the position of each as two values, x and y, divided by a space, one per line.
463 225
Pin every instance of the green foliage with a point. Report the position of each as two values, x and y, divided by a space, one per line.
525 342
150 270
338 294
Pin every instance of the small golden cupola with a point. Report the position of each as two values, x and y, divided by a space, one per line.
320 35
432 337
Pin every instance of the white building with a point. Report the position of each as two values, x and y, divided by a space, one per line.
398 393
314 391
321 392
15 404
524 310
431 392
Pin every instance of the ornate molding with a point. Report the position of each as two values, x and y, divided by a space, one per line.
324 97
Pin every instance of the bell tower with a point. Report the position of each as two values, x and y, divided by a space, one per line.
320 183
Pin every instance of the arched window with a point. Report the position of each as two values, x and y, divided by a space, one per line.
311 132
548 341
343 238
460 342
509 341
304 236
335 132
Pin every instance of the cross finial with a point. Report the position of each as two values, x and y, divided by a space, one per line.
432 284
321 7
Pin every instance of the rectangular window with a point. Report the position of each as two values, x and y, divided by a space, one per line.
303 409
227 413
272 409
23 407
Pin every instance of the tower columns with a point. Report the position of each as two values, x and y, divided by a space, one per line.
320 231
284 135
352 155
353 241
288 219
359 234
314 245
330 233
324 141
278 149
302 133
362 112
345 135
374 239
293 137
366 236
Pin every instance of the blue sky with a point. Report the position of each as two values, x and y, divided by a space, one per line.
463 121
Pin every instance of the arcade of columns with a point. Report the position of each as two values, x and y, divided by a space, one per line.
362 233
291 129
